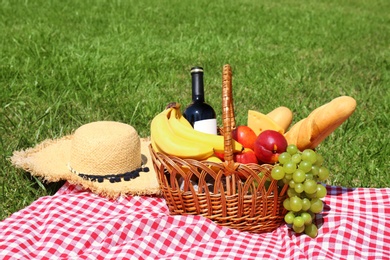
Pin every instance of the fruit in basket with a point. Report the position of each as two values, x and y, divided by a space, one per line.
245 136
245 157
172 135
282 116
165 140
268 145
181 127
259 122
214 158
309 132
220 155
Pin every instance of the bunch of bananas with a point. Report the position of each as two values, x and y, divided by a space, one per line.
172 134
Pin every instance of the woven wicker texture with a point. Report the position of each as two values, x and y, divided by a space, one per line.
239 196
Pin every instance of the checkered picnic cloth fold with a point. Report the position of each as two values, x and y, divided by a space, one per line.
76 224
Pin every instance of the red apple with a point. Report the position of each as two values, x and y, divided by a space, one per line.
268 145
246 156
245 136
220 155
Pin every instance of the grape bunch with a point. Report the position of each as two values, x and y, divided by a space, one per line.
303 172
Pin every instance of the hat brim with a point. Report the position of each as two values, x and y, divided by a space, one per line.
49 161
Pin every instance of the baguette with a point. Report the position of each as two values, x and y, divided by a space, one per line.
321 122
292 134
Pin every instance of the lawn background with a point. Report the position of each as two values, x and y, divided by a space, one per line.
67 63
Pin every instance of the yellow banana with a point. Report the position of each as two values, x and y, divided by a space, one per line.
165 140
185 130
155 146
182 119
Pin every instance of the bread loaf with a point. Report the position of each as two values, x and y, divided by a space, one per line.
321 122
282 116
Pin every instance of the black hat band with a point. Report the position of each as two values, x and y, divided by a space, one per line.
127 176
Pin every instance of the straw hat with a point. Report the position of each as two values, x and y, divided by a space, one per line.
105 157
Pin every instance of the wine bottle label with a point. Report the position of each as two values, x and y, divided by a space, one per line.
208 126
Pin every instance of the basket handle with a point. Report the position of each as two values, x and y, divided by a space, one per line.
228 120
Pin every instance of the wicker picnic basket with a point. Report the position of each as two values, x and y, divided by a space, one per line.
238 196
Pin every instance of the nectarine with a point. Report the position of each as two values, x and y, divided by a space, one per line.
268 145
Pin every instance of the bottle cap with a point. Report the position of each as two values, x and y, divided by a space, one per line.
196 69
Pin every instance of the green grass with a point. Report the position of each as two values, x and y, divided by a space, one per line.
66 63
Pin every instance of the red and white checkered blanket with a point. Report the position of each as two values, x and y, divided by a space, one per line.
75 224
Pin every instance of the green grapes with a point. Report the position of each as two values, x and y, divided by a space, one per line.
289 167
306 218
309 155
305 166
316 205
298 229
298 221
320 160
302 171
284 157
299 176
277 172
309 176
289 217
296 203
310 186
323 173
306 204
292 149
296 158
321 191
286 204
291 193
311 230
315 169
298 188
291 184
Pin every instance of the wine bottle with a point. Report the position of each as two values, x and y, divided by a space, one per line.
200 114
